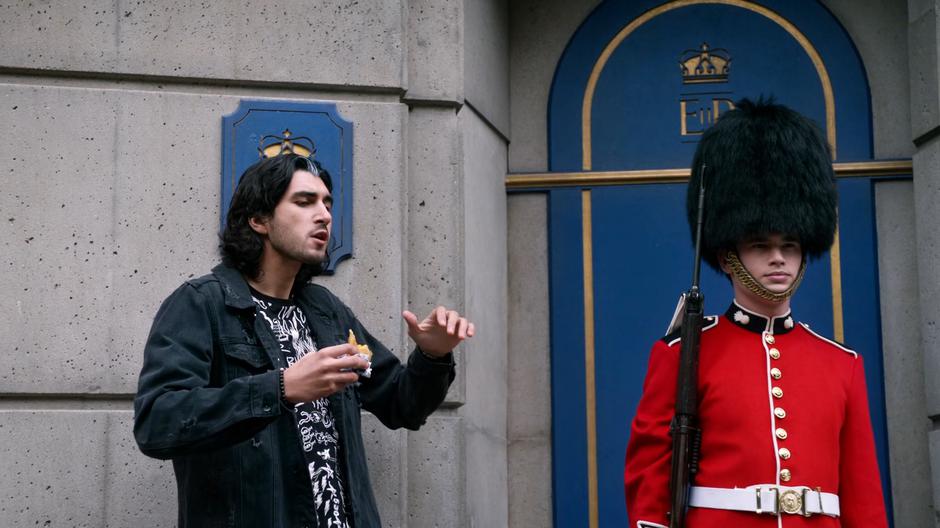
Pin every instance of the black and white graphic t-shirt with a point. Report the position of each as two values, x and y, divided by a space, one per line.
314 419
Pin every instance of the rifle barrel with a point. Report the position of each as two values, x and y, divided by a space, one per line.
684 426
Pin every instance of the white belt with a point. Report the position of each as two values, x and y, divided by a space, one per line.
767 498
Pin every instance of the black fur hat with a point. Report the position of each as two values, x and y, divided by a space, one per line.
768 171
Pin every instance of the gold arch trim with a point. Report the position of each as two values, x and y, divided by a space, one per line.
612 46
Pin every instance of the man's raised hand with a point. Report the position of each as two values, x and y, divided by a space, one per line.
439 332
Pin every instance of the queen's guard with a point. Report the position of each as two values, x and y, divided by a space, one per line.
785 436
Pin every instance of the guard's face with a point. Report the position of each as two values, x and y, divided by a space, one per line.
299 229
774 260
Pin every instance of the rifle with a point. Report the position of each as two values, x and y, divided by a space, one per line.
686 436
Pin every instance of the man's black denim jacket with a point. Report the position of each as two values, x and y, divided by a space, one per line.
208 398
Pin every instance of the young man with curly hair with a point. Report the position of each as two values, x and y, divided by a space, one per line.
253 376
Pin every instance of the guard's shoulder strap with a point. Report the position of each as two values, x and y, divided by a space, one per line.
835 344
711 321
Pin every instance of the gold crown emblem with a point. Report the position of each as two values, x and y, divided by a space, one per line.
705 65
272 145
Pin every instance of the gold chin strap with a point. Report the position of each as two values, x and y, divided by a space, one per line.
740 272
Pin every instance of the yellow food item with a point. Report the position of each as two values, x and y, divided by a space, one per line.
363 349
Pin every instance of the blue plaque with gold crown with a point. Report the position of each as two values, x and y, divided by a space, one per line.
261 129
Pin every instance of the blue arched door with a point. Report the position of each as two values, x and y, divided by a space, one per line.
628 104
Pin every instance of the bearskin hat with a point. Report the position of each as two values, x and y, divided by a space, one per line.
769 170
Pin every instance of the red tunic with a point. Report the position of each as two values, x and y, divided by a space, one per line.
752 371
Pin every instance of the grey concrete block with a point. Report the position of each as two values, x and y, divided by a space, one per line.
530 418
384 453
42 483
904 380
165 207
934 440
529 340
485 261
52 468
435 252
926 197
924 80
436 492
332 42
140 491
435 208
110 201
878 30
538 33
435 50
486 59
56 236
530 483
917 8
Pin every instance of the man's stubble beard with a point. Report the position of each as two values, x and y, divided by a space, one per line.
296 251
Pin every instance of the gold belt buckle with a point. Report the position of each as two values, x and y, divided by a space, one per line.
791 501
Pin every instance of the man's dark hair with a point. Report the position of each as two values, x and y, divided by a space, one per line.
259 190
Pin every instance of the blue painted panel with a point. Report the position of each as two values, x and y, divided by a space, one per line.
569 439
244 129
642 251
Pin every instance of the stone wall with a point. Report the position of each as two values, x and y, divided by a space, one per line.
923 39
110 200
